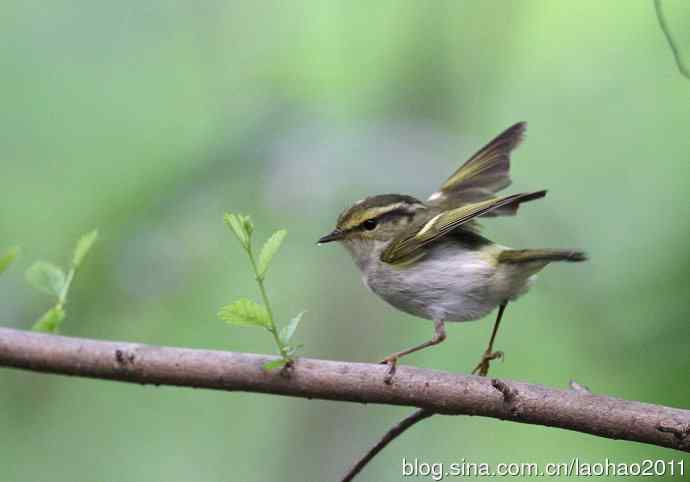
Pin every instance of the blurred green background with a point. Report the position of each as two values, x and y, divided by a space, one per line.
148 120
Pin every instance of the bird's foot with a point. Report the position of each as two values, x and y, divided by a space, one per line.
482 368
392 362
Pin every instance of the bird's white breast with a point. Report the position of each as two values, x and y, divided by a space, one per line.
450 283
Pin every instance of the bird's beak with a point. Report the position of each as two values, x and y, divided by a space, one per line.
335 235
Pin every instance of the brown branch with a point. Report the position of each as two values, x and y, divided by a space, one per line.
396 431
432 390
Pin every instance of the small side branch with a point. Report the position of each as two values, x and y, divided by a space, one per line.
431 390
682 68
416 416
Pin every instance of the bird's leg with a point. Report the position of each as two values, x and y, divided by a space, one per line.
392 359
482 367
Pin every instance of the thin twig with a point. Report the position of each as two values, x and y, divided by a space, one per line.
684 71
392 434
432 390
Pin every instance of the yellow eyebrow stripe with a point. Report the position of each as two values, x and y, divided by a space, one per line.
365 214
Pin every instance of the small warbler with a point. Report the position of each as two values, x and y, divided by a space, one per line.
428 258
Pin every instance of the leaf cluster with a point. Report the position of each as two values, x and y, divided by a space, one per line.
245 312
51 279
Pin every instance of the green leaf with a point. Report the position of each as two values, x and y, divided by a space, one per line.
50 322
7 258
288 330
46 277
247 224
237 226
244 312
83 246
273 364
269 249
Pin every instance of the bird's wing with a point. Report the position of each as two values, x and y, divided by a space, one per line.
482 175
408 243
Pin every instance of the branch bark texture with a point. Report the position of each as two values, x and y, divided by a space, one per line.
436 391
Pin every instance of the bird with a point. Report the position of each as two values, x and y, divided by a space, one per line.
429 258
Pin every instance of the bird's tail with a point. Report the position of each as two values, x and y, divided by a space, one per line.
519 256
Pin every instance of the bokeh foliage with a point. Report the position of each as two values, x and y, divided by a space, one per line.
151 119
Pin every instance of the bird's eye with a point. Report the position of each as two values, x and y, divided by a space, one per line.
370 224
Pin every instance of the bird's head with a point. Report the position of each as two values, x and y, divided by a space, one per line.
373 222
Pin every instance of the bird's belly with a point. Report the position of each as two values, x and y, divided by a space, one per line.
456 289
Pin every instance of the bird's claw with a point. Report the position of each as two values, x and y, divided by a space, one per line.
482 368
392 362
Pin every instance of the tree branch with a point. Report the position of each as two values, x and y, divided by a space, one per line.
435 391
396 431
682 68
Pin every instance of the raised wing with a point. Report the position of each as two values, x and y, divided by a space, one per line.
408 243
482 175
